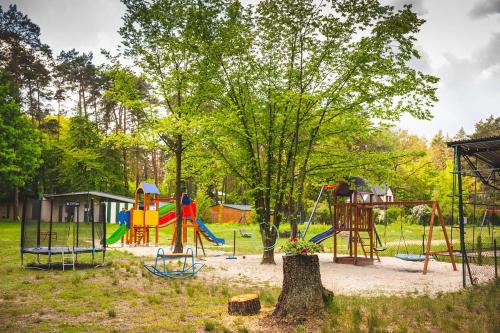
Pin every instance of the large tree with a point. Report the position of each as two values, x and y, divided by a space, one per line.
28 60
292 73
19 141
163 37
77 73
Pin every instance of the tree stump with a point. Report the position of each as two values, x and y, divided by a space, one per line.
247 304
303 292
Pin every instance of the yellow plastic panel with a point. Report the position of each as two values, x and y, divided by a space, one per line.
152 217
137 217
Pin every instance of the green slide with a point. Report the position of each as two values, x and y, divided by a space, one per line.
165 209
117 235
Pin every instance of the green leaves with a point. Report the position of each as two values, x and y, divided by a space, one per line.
19 141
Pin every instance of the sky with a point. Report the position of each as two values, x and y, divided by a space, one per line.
459 43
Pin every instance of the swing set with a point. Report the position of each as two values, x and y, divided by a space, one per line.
352 214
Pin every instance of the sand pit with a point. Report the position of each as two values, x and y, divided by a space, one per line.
391 276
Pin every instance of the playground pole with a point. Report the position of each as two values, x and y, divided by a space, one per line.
234 246
313 211
495 257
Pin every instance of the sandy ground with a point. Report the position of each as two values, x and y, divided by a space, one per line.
391 276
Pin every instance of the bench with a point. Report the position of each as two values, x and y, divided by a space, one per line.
46 234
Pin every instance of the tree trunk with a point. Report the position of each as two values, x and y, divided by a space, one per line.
248 304
303 292
295 229
136 167
268 256
16 204
178 195
125 168
154 162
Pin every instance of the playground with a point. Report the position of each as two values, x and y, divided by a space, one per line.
248 166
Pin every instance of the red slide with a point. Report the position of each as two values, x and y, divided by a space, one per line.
167 219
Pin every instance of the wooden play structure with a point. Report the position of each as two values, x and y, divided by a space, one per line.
143 217
147 214
351 214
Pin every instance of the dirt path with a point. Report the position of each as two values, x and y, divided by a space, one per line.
391 276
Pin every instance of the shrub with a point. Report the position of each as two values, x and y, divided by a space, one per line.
112 313
295 246
209 325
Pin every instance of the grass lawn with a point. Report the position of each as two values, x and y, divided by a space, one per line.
122 297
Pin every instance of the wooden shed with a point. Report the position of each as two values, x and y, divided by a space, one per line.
223 213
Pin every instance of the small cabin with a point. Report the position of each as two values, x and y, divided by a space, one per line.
224 213
380 194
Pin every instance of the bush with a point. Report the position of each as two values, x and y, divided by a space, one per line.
203 204
209 325
112 313
421 214
295 246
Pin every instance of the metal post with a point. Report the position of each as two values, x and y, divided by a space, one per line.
104 234
473 236
461 213
23 221
38 225
50 228
495 256
453 197
234 246
312 213
91 219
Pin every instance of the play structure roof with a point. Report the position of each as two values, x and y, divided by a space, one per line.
104 195
486 149
149 188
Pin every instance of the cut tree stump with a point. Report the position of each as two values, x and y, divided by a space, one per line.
303 292
247 304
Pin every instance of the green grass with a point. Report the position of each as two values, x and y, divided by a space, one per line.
121 298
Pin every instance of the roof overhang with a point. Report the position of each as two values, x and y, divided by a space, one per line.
104 195
486 151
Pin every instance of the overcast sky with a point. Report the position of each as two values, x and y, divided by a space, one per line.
460 43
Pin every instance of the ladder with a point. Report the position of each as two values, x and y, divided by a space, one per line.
139 235
364 246
70 255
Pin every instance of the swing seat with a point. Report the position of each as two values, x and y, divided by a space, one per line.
411 257
380 249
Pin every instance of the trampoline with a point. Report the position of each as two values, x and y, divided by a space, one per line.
65 225
58 250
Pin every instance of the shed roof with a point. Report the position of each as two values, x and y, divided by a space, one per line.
239 207
109 196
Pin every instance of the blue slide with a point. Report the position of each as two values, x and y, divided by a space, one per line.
208 234
323 236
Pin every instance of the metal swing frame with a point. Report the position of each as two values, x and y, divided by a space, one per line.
189 268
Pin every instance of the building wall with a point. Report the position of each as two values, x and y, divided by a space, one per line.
114 208
60 212
222 214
